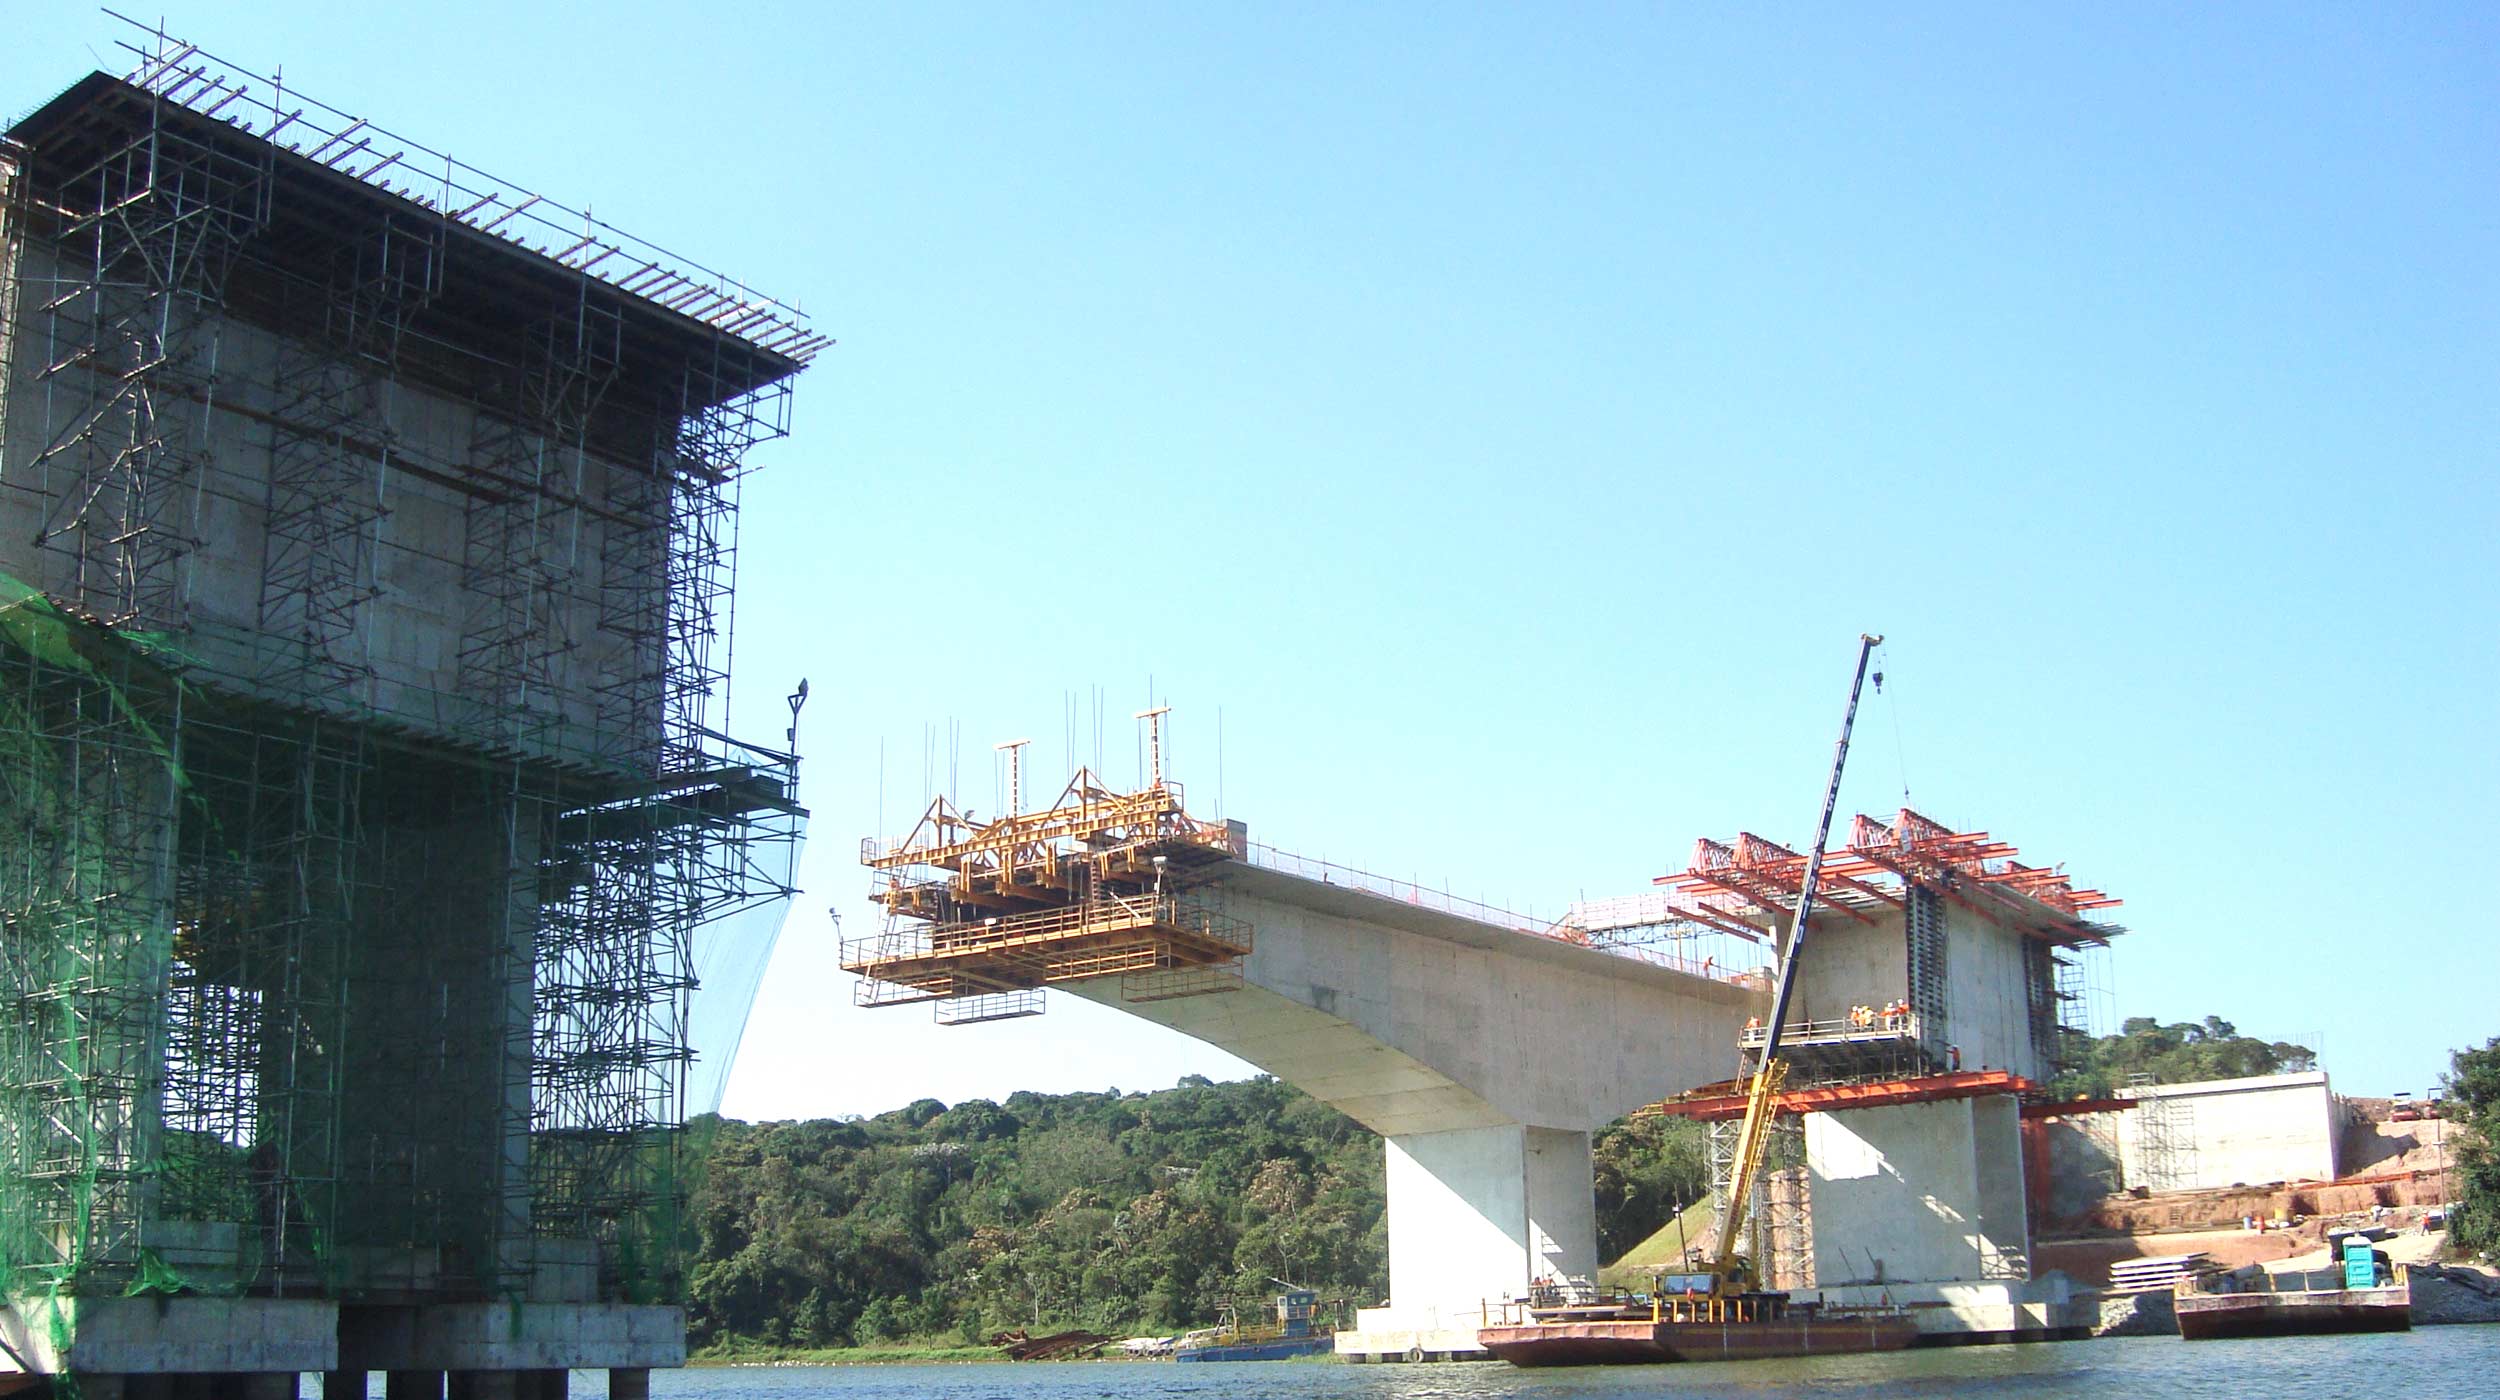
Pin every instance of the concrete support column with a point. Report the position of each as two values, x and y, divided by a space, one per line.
629 1383
1562 1205
1918 1193
344 1385
413 1385
1477 1214
485 1385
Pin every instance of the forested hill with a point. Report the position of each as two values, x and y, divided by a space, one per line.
1113 1212
1103 1211
1143 1212
2181 1052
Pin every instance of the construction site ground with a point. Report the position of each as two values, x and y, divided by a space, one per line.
2395 1175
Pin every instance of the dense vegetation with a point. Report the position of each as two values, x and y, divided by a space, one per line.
1145 1212
2473 1094
2183 1052
1115 1212
1648 1169
1074 1210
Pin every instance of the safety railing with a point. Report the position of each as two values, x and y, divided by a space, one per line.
1442 901
1874 1025
1108 914
189 76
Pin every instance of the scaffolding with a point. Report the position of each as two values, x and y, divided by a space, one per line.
1751 885
368 786
2165 1135
1904 873
1777 1225
981 916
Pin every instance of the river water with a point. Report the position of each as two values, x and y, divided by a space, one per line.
2434 1363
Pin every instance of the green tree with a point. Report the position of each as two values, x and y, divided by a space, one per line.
1647 1170
2179 1053
2473 1094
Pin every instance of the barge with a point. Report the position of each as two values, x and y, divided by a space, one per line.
2366 1295
1296 1331
1697 1326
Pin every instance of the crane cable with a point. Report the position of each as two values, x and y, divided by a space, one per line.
1892 706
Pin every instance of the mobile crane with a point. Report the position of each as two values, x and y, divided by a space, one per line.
1728 1273
1723 1315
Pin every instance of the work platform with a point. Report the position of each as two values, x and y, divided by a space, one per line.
1129 936
981 916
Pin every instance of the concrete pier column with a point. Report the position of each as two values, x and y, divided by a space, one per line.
344 1385
629 1383
486 1385
1921 1193
1562 1204
413 1385
1476 1214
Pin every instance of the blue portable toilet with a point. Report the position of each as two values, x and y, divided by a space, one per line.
2360 1263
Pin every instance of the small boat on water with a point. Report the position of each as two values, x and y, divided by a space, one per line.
2365 1295
1679 1323
1295 1332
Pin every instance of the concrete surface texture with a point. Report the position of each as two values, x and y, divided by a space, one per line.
1986 1010
423 595
2230 1132
1917 1193
195 1335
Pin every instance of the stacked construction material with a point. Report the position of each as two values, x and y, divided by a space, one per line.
2160 1272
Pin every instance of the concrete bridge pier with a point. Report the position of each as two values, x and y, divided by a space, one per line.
1475 1211
1484 1056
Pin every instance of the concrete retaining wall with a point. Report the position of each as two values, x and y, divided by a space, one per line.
2281 1127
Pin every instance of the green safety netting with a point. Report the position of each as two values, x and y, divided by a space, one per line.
106 1179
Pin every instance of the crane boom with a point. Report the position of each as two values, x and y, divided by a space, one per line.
1755 1135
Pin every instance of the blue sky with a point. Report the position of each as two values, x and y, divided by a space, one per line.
1507 418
